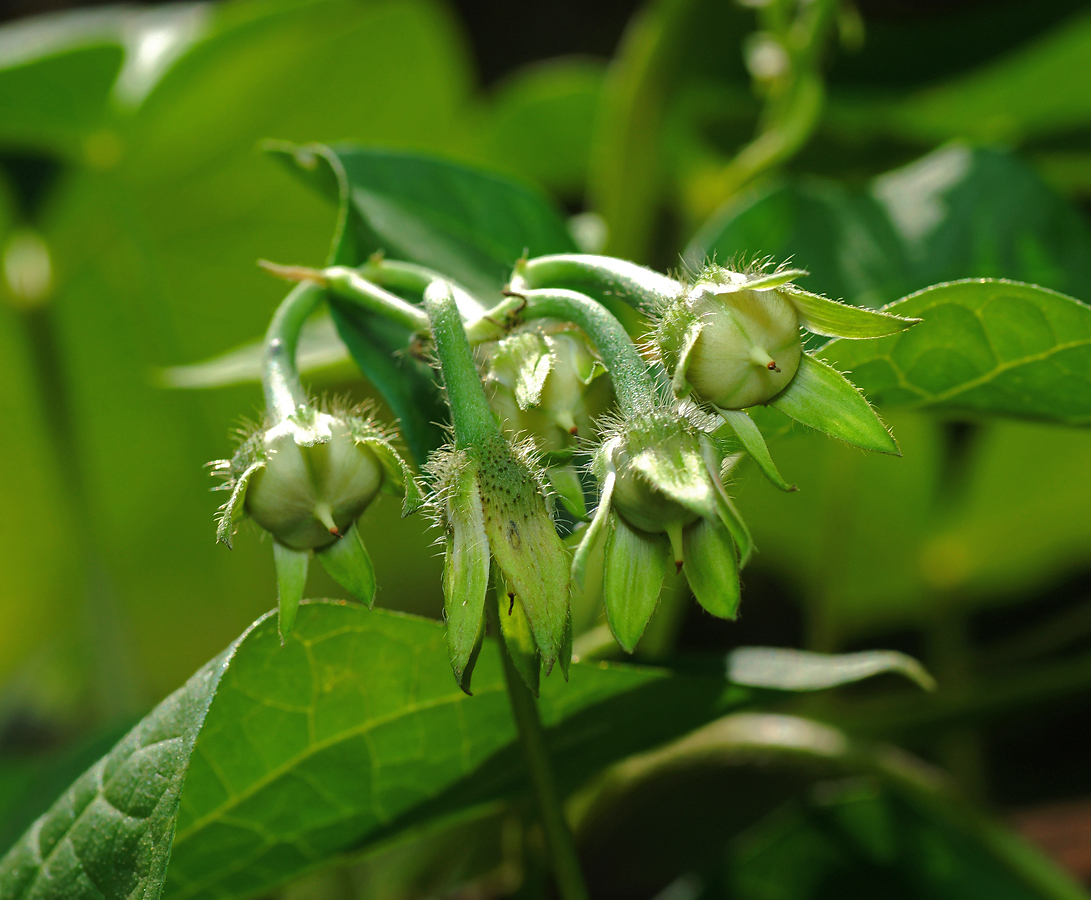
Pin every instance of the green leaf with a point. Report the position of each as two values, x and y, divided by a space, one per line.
821 398
799 670
291 566
711 567
348 563
993 347
955 213
350 733
468 223
110 834
634 567
832 319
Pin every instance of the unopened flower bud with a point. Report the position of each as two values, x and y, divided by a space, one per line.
316 481
733 346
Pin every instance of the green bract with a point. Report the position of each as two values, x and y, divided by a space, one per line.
662 500
306 480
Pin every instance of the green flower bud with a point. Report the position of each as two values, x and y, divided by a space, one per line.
315 482
306 480
733 345
662 499
545 385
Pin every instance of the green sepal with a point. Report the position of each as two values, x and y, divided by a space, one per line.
524 542
235 508
681 475
291 566
565 481
398 477
552 458
711 567
522 363
822 398
564 659
594 531
725 509
634 569
828 317
515 630
465 572
679 384
349 564
754 443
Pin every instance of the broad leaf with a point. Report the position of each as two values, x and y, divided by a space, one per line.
351 732
994 347
110 834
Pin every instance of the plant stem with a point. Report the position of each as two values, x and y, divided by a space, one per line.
644 289
633 384
473 420
284 392
562 849
349 284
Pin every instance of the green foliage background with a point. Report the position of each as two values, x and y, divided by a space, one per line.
131 143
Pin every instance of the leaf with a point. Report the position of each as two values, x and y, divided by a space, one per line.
821 398
467 223
993 347
352 732
110 834
799 670
955 213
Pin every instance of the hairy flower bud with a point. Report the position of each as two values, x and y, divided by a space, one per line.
316 481
733 345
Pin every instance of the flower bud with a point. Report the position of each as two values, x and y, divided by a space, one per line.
545 385
316 481
733 345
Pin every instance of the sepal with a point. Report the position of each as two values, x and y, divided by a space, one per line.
634 568
348 563
822 398
833 319
711 567
291 566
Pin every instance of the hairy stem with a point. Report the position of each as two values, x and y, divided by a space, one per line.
284 392
633 384
562 849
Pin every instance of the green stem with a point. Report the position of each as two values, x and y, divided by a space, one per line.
392 273
473 419
284 392
633 384
562 849
349 284
644 289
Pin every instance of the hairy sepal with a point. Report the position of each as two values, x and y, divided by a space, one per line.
291 566
822 398
712 568
753 442
833 319
466 568
524 541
